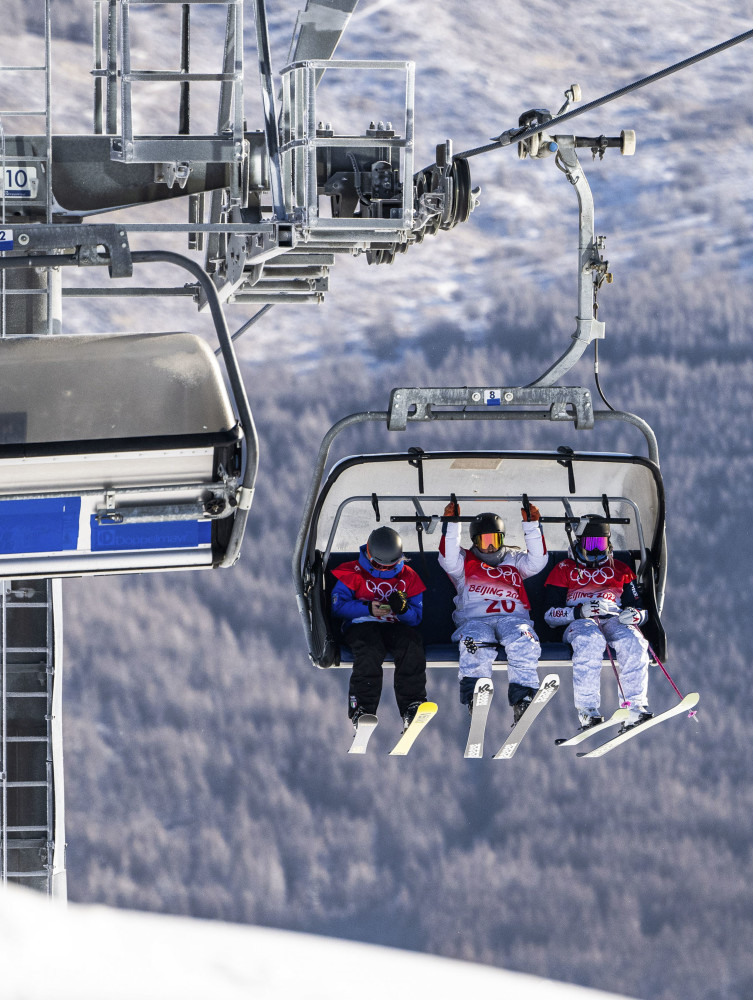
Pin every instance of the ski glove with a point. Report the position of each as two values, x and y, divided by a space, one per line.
398 602
452 509
632 616
600 608
532 514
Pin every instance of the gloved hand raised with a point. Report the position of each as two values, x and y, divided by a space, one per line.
398 602
599 608
452 509
532 514
632 616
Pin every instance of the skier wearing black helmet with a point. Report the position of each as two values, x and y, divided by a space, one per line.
380 601
596 597
491 605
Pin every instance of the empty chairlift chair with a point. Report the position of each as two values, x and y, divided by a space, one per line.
117 454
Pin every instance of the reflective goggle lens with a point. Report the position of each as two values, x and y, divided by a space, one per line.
493 538
380 565
594 543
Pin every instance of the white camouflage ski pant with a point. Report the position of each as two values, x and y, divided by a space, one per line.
515 633
589 646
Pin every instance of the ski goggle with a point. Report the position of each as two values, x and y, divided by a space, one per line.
381 565
493 538
594 543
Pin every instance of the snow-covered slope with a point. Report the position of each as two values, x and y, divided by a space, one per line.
93 952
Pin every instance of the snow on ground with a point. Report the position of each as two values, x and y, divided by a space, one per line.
69 952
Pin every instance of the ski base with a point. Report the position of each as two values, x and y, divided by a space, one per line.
366 726
549 687
619 716
424 714
483 693
687 703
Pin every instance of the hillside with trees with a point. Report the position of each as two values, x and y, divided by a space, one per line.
206 762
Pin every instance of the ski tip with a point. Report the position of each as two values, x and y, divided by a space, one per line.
560 742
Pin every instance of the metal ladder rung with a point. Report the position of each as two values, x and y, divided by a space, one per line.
42 874
25 784
17 69
26 649
214 3
25 159
23 114
176 76
25 694
26 829
26 739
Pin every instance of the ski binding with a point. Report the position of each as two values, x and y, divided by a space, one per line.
619 716
549 687
424 714
687 703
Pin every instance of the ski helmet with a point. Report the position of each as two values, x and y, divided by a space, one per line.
485 530
593 545
384 548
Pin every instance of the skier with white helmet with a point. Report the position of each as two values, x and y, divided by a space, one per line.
596 597
380 602
491 606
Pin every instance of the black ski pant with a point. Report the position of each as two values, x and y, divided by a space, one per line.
370 643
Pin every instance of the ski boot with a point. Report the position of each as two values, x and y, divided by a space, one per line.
410 713
357 715
519 708
588 721
631 722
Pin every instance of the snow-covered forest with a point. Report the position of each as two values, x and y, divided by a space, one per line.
206 762
206 765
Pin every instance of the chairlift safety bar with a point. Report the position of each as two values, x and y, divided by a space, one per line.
477 498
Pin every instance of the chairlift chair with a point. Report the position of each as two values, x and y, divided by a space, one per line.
118 453
408 490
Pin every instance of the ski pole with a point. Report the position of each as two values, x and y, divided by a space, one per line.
692 714
624 703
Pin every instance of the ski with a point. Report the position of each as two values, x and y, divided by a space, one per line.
687 703
425 713
619 716
546 692
366 726
483 693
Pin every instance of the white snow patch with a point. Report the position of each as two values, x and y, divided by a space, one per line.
74 952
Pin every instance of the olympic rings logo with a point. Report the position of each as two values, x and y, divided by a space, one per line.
507 573
379 589
598 576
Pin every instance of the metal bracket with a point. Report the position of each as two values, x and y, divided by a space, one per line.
170 173
210 510
483 403
84 239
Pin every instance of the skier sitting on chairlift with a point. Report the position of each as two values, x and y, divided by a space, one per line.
380 600
596 597
491 606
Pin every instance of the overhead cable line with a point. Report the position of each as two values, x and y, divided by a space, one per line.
519 135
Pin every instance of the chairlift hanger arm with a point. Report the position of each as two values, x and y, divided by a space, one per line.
520 135
236 384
